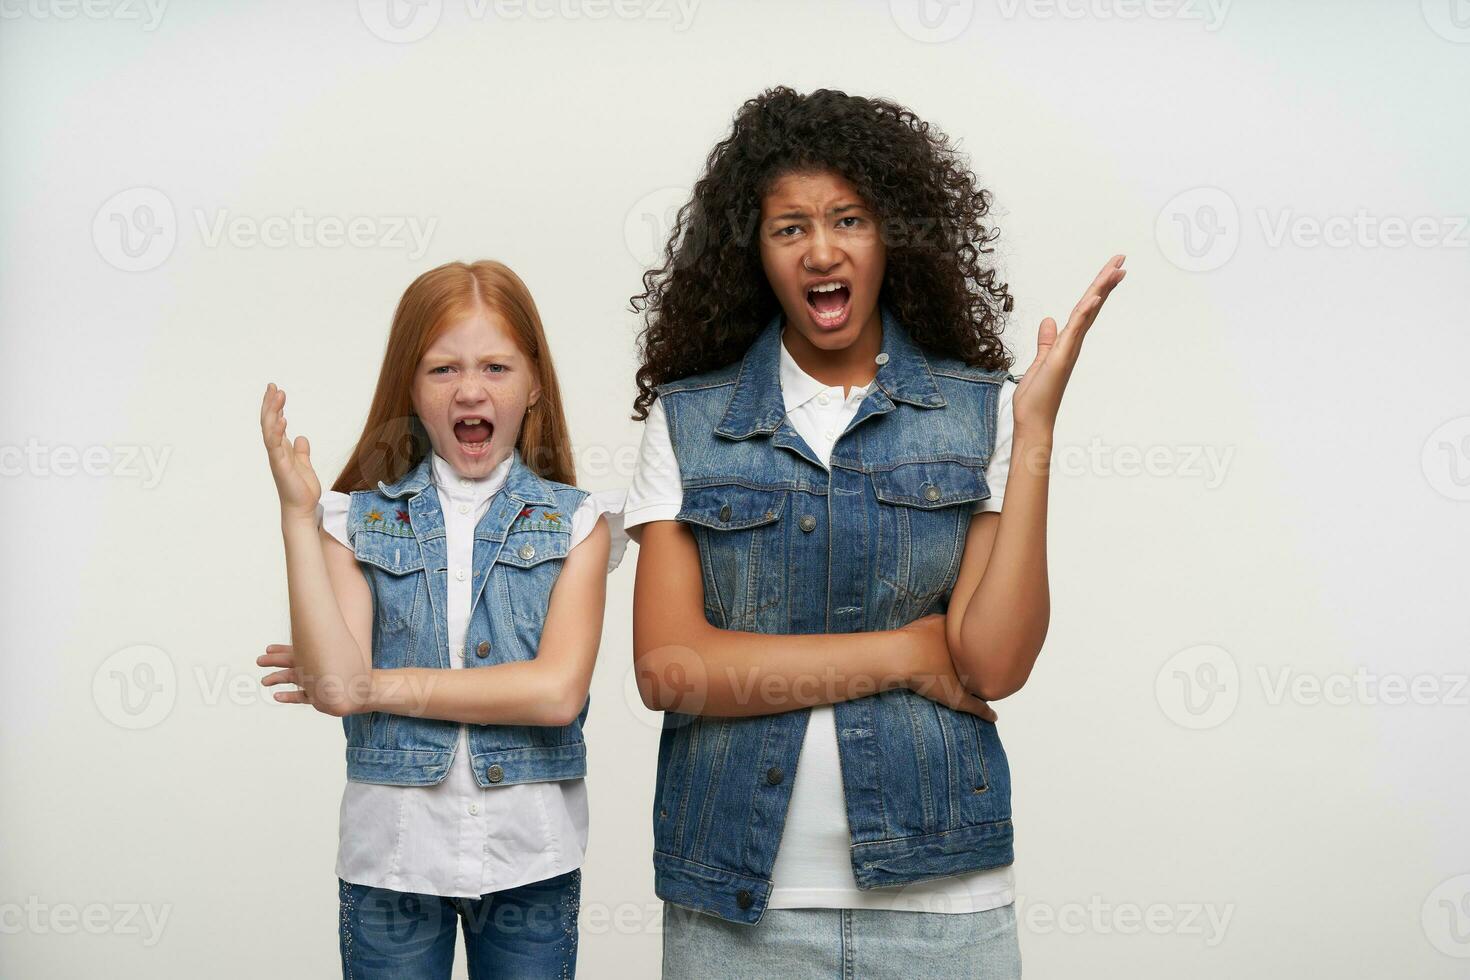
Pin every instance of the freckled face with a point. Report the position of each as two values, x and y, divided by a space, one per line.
471 391
823 257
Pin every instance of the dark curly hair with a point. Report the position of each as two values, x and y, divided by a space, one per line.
709 299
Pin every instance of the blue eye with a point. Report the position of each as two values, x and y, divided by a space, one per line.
440 368
498 368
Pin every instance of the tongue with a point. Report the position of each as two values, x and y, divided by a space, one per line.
478 432
829 302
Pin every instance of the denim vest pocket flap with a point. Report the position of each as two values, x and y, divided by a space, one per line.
526 548
390 552
931 484
731 507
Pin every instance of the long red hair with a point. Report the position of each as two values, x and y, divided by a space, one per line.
393 440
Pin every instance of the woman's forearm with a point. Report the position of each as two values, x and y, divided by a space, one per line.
1006 619
729 673
332 667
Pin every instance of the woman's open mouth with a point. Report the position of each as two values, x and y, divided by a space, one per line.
473 435
829 303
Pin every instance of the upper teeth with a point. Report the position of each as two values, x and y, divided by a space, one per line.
472 421
827 287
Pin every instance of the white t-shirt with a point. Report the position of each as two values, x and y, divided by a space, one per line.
813 866
456 838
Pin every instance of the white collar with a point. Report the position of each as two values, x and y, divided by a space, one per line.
447 480
798 387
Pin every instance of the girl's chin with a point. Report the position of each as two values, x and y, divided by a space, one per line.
830 335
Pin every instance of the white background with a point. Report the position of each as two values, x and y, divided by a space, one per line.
1163 774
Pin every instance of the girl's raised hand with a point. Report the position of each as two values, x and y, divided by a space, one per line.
296 482
1039 394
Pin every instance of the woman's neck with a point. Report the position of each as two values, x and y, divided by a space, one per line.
847 367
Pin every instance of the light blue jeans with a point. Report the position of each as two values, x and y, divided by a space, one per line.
839 944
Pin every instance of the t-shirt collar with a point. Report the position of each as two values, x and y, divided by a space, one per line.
447 480
798 387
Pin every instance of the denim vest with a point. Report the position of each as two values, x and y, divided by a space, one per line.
397 533
785 546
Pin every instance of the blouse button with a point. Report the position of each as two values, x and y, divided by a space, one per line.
464 508
881 359
459 574
527 552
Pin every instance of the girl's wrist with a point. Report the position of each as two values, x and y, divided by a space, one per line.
292 518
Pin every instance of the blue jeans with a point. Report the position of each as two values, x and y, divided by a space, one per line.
835 944
525 932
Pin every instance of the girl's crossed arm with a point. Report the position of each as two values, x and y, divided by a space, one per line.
547 690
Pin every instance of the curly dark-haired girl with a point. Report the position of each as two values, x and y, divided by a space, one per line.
829 591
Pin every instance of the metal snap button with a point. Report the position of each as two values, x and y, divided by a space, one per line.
774 775
743 899
527 552
725 513
931 493
495 774
808 523
483 650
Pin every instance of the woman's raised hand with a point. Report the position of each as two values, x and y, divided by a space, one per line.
296 482
1039 394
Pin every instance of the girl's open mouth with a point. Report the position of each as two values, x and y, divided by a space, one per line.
473 435
830 304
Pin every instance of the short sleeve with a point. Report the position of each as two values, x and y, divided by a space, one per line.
1000 460
331 514
608 503
656 493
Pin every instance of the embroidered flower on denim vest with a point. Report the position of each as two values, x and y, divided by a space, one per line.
375 520
549 520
